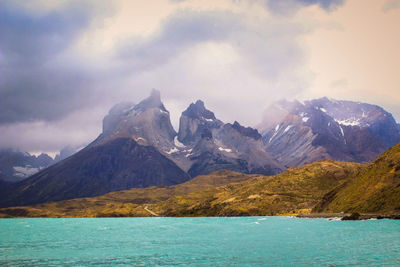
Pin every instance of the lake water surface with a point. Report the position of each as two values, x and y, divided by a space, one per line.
224 241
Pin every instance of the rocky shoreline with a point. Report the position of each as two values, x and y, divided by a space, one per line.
350 216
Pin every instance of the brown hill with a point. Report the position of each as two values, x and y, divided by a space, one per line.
376 189
124 203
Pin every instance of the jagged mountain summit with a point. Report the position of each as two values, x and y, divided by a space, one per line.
215 145
296 133
202 145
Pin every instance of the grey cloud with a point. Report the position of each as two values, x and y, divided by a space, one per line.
390 5
31 39
267 51
288 7
179 32
33 84
272 46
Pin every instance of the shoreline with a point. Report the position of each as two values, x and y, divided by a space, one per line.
336 216
350 217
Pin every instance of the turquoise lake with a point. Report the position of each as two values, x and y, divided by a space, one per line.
223 241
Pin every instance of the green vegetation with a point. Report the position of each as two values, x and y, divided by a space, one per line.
323 187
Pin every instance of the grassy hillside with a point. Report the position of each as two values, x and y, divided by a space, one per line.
376 189
324 186
294 191
124 203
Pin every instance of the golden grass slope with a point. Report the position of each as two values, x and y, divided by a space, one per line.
294 191
124 203
375 189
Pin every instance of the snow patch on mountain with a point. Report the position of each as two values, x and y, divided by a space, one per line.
225 149
287 128
177 143
349 122
172 150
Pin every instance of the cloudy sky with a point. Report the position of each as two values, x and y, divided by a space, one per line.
63 64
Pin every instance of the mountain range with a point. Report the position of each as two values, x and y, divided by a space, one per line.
16 166
296 133
139 148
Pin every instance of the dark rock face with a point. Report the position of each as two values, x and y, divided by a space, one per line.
194 122
246 131
297 133
120 164
352 217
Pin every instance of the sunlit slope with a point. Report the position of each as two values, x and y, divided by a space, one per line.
124 203
296 190
375 189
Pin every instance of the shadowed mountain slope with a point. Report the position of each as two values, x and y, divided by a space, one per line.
117 165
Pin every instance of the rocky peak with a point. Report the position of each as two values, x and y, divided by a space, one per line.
44 160
246 131
148 123
198 111
194 122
